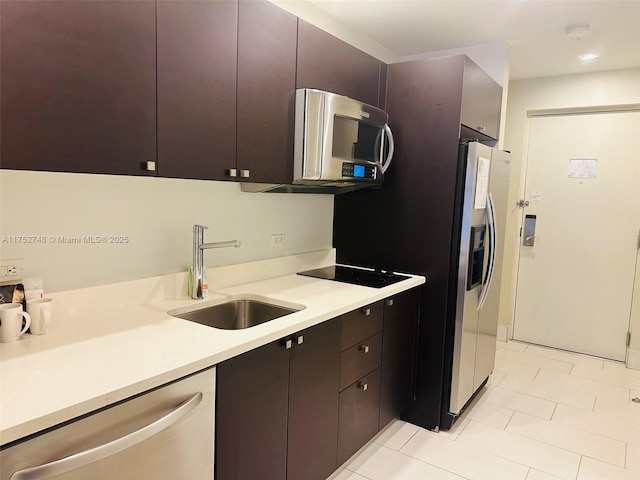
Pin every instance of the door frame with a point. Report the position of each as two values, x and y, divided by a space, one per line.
550 112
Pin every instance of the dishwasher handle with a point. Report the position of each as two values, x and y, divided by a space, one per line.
80 459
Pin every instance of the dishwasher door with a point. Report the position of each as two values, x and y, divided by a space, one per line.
167 433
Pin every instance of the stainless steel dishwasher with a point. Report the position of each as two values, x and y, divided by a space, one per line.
167 433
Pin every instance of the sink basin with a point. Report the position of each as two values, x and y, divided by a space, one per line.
236 314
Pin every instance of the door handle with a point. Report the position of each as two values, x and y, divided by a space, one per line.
492 252
80 459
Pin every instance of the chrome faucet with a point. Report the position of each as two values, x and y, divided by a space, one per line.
198 257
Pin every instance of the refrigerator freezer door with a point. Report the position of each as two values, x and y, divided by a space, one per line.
488 318
467 315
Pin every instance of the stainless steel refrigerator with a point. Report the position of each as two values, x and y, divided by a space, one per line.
424 221
476 270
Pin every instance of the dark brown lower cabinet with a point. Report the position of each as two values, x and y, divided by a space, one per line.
277 409
359 409
251 415
313 402
399 339
298 413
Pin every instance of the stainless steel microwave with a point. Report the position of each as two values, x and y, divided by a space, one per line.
339 141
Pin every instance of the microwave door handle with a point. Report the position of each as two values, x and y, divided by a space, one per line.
387 162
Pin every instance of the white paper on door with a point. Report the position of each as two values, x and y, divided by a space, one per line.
482 183
583 167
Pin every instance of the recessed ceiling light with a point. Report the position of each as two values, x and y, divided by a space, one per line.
588 56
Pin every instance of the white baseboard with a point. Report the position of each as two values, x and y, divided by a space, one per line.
633 359
503 333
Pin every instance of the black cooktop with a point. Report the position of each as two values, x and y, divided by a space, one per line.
367 278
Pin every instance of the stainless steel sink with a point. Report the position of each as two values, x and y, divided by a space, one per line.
236 314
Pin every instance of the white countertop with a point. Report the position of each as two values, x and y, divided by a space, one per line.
96 355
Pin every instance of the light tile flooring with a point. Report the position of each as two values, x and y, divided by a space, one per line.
545 414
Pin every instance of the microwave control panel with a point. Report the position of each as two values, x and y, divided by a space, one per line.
353 170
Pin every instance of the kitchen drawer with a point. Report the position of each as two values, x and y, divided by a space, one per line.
362 323
358 417
362 358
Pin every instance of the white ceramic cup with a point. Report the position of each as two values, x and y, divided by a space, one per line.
11 322
41 311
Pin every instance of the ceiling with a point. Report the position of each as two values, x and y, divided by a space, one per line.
534 30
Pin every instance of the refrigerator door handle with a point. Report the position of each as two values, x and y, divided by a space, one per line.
492 251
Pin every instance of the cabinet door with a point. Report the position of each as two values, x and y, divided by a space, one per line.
358 417
481 101
313 402
78 84
399 338
251 415
197 56
327 63
267 37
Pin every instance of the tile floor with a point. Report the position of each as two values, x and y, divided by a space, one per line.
545 414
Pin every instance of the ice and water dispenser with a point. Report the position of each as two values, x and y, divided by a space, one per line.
476 256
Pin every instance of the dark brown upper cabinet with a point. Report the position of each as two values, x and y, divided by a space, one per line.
267 39
78 86
481 101
197 57
327 63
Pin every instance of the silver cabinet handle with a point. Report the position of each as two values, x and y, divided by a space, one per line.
300 340
390 302
151 166
361 385
287 344
482 128
366 311
232 172
80 459
244 173
364 348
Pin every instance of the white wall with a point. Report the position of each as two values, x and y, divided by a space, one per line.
589 91
157 216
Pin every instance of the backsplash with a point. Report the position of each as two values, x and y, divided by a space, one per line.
78 230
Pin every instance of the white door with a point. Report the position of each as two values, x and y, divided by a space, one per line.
575 284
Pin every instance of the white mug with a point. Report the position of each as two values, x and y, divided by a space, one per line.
41 311
11 322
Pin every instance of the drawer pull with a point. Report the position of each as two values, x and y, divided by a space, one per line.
288 344
232 172
300 339
364 348
390 302
366 311
244 173
363 386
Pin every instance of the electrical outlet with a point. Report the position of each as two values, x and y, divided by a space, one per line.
277 240
11 269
